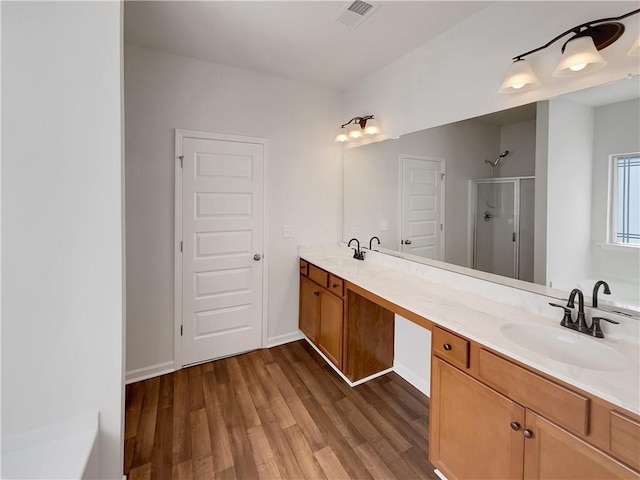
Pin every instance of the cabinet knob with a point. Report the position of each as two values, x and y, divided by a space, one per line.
515 426
527 433
317 294
335 285
447 346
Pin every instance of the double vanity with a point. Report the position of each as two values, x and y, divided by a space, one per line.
513 394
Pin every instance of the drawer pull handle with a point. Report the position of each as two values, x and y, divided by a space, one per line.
447 346
515 426
527 433
317 294
335 285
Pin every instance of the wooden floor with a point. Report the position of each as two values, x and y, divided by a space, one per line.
274 413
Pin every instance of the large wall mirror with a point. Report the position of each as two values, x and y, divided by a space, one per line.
545 194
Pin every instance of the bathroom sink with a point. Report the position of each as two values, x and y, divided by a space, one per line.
346 263
565 346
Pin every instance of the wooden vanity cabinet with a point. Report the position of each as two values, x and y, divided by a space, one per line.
322 311
309 308
492 418
470 432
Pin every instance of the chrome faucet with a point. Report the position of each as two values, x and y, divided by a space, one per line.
606 291
357 254
580 324
371 241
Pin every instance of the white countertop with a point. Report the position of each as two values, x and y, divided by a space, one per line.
480 319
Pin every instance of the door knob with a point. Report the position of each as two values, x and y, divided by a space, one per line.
407 242
257 257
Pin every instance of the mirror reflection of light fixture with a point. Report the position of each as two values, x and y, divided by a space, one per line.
579 53
358 127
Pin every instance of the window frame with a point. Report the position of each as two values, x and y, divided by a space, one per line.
612 223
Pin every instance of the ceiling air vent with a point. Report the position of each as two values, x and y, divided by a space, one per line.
354 13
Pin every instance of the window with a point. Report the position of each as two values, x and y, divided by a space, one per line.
625 199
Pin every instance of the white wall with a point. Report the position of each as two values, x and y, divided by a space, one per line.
616 130
372 181
520 139
570 157
164 92
457 75
412 353
540 194
62 256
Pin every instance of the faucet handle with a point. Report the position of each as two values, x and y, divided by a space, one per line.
595 329
567 321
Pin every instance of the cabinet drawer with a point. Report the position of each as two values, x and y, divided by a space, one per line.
336 285
304 267
625 438
450 347
559 404
318 275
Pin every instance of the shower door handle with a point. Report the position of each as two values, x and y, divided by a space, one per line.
513 238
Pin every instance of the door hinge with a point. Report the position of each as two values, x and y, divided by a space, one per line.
181 246
180 330
442 176
440 227
181 157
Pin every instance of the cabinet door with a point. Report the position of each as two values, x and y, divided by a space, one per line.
331 327
554 453
471 435
309 308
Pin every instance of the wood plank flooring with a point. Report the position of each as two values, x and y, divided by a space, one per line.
274 413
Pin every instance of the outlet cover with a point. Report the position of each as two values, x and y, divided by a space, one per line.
288 231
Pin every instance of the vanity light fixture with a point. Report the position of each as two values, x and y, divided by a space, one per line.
357 127
579 53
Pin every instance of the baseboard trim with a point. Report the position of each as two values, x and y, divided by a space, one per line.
342 375
286 338
139 374
412 378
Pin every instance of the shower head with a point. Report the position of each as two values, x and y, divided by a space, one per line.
497 161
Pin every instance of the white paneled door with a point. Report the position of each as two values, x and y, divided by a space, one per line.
422 206
222 212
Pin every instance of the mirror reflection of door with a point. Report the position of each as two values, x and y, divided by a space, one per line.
422 206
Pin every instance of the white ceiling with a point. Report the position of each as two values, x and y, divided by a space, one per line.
298 40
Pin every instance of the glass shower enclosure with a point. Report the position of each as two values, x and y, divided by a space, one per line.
503 222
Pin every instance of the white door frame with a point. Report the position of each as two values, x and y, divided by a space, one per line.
443 171
181 134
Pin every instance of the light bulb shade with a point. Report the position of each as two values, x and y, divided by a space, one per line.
580 56
354 130
371 128
342 135
635 48
519 77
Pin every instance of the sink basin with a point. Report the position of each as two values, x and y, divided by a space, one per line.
565 346
342 262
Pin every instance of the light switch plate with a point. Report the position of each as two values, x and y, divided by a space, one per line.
288 231
384 225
